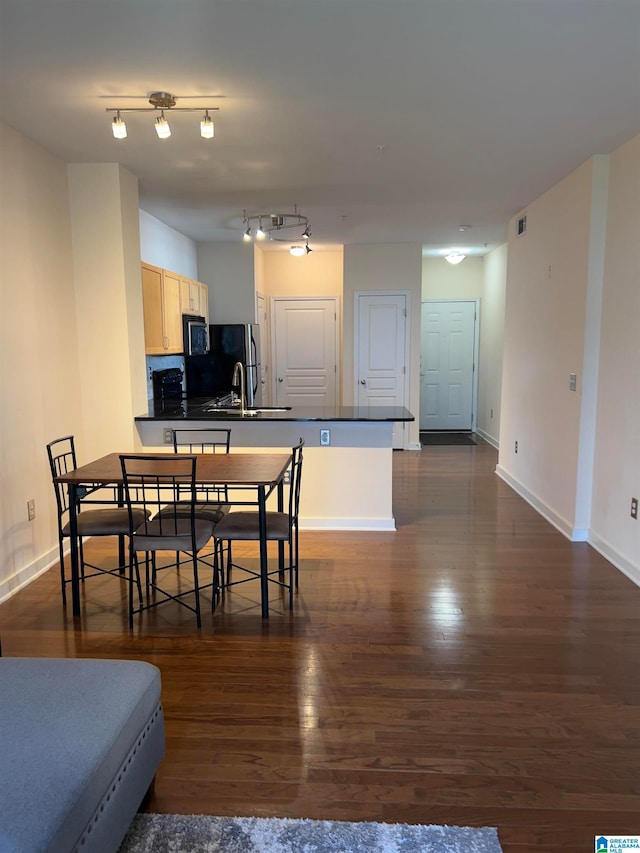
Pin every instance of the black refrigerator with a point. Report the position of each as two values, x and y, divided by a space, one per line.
210 375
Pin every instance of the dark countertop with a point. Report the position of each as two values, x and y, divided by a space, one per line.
203 410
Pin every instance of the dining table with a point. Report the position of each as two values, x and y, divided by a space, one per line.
262 472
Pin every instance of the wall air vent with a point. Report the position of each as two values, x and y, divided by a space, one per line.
521 225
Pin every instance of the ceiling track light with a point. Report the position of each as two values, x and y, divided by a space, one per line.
162 127
162 101
206 126
277 227
119 127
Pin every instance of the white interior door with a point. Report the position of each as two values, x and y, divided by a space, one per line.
381 354
447 355
305 351
262 321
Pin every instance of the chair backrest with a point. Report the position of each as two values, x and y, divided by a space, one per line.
207 440
62 459
201 440
159 484
296 480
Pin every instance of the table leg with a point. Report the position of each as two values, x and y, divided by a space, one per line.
73 535
264 566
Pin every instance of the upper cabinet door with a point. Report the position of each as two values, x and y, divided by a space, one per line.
172 313
152 307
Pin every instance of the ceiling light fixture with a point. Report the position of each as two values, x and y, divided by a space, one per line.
118 127
278 227
308 249
161 101
162 127
206 126
454 257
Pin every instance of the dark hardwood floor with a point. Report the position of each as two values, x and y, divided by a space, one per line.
473 668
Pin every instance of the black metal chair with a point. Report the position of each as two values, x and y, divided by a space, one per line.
243 525
212 501
107 521
166 490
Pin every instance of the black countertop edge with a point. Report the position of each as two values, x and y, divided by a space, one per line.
201 410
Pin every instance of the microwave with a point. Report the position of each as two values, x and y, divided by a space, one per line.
195 335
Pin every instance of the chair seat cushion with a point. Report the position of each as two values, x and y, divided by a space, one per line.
105 522
244 525
162 534
212 512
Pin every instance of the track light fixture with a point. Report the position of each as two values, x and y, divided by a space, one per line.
162 127
118 127
161 101
278 227
206 126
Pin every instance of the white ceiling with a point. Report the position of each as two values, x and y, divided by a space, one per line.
383 120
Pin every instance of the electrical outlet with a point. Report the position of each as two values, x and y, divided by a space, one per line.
168 436
31 509
325 437
516 446
634 508
287 478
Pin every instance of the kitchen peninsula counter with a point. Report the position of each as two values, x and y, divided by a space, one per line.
198 409
346 485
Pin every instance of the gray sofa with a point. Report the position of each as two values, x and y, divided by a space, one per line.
80 742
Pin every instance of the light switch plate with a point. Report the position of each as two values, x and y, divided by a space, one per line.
572 381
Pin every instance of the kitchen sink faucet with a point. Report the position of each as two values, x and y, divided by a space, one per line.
238 379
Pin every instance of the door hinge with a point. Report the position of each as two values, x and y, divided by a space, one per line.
405 312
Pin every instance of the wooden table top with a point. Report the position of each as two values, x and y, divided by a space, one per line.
239 469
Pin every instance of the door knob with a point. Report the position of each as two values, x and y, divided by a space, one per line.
363 381
279 378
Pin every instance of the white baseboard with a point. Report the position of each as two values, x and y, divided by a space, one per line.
370 524
9 586
609 553
574 534
488 438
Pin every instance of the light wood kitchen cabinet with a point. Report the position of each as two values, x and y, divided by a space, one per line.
194 298
162 311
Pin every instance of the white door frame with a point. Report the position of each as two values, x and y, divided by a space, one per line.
476 351
407 347
324 298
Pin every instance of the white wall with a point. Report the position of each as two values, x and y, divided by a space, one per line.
229 271
617 457
167 248
547 312
384 267
491 344
442 280
108 296
39 360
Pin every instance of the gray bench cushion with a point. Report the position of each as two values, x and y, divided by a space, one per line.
80 741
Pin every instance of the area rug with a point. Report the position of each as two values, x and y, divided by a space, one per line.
443 438
161 833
